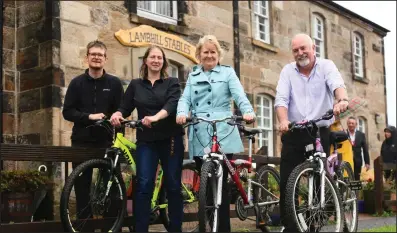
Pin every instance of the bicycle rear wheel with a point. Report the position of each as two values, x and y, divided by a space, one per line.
311 217
269 216
349 197
110 210
207 213
190 182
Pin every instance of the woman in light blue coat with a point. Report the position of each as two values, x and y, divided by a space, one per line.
208 93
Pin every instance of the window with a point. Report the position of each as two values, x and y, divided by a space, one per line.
172 70
361 127
318 35
358 55
163 11
261 14
264 113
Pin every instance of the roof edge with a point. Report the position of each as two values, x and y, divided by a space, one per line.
338 8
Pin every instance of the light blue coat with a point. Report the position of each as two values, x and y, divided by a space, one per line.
209 96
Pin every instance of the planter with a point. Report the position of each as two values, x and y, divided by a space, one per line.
17 207
369 201
360 204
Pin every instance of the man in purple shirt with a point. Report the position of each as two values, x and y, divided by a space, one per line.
305 91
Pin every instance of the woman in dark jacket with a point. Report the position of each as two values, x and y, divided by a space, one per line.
155 96
389 148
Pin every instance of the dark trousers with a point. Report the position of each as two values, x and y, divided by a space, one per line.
357 169
293 154
224 208
170 153
389 174
82 183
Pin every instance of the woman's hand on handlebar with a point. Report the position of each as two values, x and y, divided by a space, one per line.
249 118
116 119
181 120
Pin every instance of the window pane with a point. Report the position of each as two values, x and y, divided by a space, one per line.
266 102
267 123
266 112
261 28
258 111
258 100
261 20
262 36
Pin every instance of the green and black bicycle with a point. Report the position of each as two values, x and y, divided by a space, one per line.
108 191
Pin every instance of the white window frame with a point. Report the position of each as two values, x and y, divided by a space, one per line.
258 14
358 55
361 127
152 13
171 67
317 22
260 122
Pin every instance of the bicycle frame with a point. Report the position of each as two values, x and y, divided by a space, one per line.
217 153
124 147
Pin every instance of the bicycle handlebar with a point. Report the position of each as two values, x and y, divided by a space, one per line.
304 124
129 124
196 120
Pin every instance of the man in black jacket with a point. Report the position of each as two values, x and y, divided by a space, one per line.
389 150
359 142
91 96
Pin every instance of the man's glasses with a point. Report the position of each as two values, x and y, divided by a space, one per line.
100 55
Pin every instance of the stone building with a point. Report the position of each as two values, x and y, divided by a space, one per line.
45 42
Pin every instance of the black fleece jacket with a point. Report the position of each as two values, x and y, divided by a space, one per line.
86 95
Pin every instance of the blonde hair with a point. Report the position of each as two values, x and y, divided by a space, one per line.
210 39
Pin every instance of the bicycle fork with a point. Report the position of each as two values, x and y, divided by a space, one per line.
322 183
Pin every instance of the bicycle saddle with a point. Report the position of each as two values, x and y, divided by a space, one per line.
338 136
248 131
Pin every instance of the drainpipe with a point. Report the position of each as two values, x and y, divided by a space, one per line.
1 77
236 45
236 37
384 76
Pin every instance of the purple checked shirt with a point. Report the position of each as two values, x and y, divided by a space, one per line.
307 98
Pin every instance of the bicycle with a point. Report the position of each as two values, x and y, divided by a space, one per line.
257 196
108 187
318 175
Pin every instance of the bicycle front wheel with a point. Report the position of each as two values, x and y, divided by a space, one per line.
349 197
207 213
190 183
84 199
268 198
303 195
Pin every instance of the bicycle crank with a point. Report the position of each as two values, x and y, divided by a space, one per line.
241 213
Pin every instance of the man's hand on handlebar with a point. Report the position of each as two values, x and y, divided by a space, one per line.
116 119
340 107
97 116
283 126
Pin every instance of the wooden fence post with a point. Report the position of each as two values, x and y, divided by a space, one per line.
378 167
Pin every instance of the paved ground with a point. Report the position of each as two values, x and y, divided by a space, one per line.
365 222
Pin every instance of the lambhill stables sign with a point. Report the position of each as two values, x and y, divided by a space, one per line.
145 35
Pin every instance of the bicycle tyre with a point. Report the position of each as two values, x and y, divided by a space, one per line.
205 186
347 167
64 202
163 199
259 174
291 215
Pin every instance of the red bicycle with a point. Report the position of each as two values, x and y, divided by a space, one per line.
260 192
